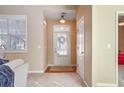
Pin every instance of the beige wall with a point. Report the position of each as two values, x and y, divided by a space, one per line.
35 56
104 32
50 39
86 11
121 38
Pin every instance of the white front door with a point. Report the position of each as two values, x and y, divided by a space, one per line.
80 48
61 45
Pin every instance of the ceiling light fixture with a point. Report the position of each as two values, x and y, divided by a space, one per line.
121 24
62 20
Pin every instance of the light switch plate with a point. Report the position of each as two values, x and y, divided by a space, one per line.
39 46
108 46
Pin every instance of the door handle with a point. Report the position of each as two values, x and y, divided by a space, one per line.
77 47
55 50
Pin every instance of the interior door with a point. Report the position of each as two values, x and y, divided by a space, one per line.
61 45
80 48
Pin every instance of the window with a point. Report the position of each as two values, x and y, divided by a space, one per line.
62 43
13 33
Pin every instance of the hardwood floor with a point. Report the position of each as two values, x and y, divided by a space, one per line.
61 69
121 75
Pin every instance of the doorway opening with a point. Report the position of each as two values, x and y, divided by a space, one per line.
61 41
61 50
61 45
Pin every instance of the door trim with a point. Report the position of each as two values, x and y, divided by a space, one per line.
82 18
116 46
63 65
78 23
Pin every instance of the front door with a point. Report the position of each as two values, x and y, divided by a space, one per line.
61 45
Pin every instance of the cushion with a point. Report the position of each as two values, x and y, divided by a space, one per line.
15 63
3 61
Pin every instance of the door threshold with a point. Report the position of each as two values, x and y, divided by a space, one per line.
61 69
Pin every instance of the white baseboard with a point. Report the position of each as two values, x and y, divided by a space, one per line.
83 80
86 83
45 68
38 71
105 85
63 65
42 71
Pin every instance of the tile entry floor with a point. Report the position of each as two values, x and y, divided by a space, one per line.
54 80
63 79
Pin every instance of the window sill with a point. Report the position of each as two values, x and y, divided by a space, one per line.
25 51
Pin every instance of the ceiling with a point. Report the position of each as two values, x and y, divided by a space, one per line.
121 19
69 14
